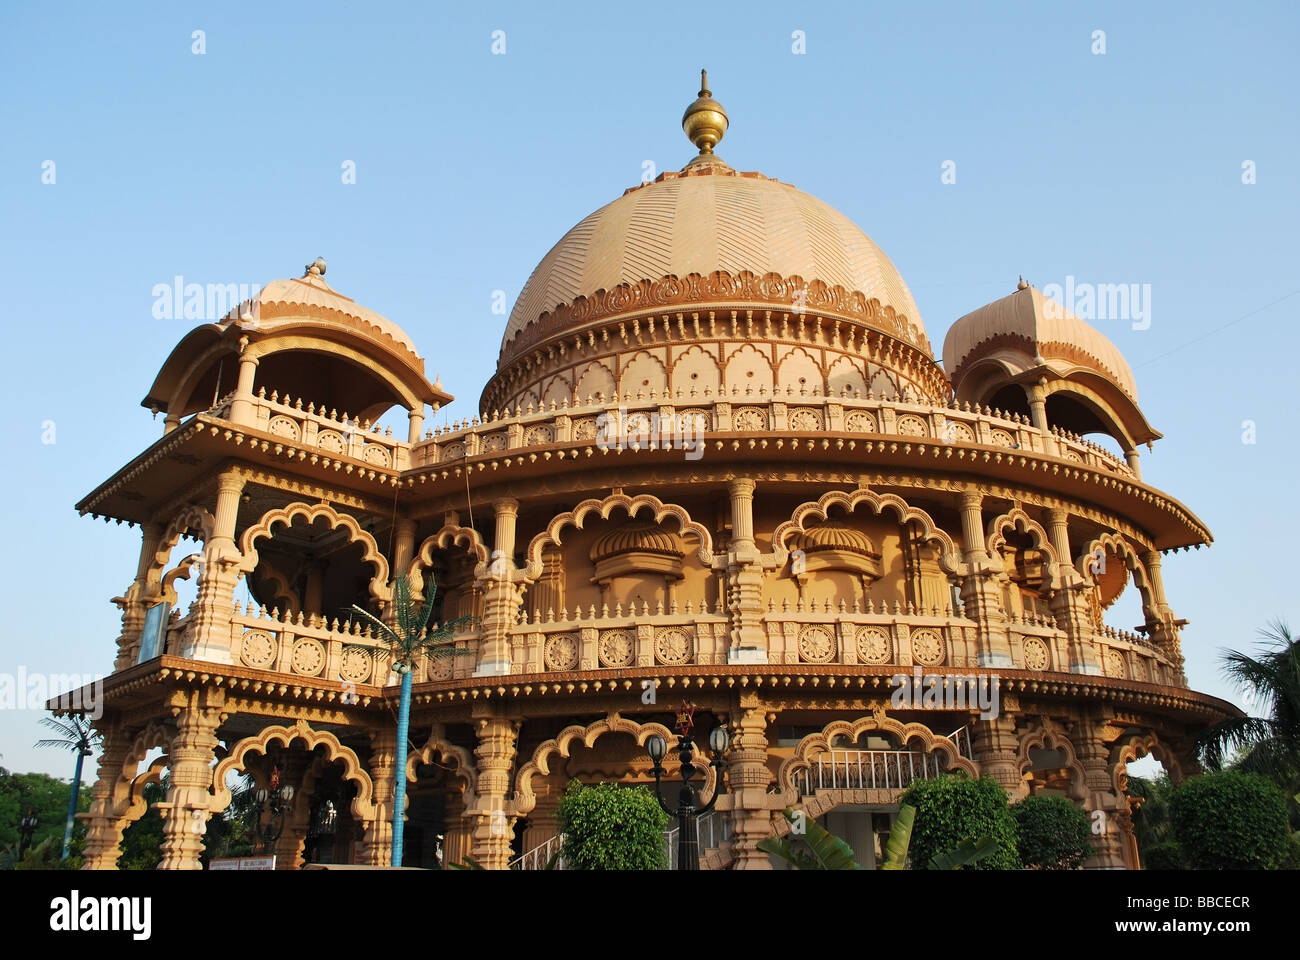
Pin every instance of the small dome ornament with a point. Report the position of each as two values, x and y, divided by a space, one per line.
705 121
316 268
1022 285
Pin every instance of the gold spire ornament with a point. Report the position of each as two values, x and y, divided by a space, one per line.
705 122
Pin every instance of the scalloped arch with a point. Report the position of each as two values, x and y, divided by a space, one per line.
1021 522
363 807
1135 747
821 743
378 584
192 517
464 763
1040 736
563 742
949 560
632 505
1119 545
448 537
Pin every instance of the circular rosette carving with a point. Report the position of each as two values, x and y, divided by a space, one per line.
282 426
697 420
439 668
257 649
927 647
452 451
1073 457
749 418
673 645
816 644
561 651
1115 665
493 442
873 645
805 419
910 426
539 434
859 421
355 665
1036 655
584 429
616 648
1003 439
329 441
374 453
956 432
308 657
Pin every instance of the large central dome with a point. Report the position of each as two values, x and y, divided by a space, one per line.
707 218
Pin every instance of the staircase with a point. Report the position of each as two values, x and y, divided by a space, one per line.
714 831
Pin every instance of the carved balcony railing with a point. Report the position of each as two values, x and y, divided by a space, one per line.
876 769
333 433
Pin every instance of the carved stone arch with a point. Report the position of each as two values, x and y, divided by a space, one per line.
558 388
846 372
371 554
562 743
363 807
1135 747
463 761
281 590
1094 402
1043 734
450 536
189 520
643 366
595 380
1016 519
884 384
795 362
696 369
130 781
136 805
820 742
616 501
741 363
1120 546
949 557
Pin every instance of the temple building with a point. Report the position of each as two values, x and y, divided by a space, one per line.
719 463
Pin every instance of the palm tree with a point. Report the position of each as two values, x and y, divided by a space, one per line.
407 639
1268 744
75 733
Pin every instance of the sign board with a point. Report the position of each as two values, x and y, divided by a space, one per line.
242 863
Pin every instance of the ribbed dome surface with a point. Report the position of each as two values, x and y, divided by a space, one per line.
637 538
704 220
834 536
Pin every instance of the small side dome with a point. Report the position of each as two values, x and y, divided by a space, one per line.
309 341
834 536
645 538
1026 348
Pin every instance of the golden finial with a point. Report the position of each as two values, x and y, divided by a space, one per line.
705 122
1022 285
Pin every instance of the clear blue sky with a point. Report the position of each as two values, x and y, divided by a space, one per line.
226 168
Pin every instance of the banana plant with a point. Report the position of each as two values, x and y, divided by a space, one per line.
966 852
900 838
407 639
819 849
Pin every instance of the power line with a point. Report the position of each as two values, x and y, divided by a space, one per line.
1210 333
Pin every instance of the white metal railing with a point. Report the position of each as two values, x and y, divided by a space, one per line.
961 739
869 770
712 830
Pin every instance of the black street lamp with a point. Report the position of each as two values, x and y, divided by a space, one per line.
26 827
688 809
278 800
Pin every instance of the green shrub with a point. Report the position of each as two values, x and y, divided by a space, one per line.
954 808
608 827
1231 821
1051 833
1163 856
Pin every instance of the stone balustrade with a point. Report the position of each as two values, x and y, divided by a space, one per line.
331 432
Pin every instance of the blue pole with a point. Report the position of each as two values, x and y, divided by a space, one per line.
72 804
399 774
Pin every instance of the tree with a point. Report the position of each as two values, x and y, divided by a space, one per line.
77 734
141 846
1051 833
1231 821
44 796
608 827
952 809
407 639
1269 744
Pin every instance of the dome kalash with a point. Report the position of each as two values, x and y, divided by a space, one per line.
717 463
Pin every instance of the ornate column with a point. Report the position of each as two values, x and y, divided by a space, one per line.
415 425
491 818
1134 463
1093 750
1037 398
211 637
185 812
501 602
241 408
376 845
132 602
403 546
104 825
1161 623
456 842
980 596
745 579
293 838
997 749
748 775
1070 602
